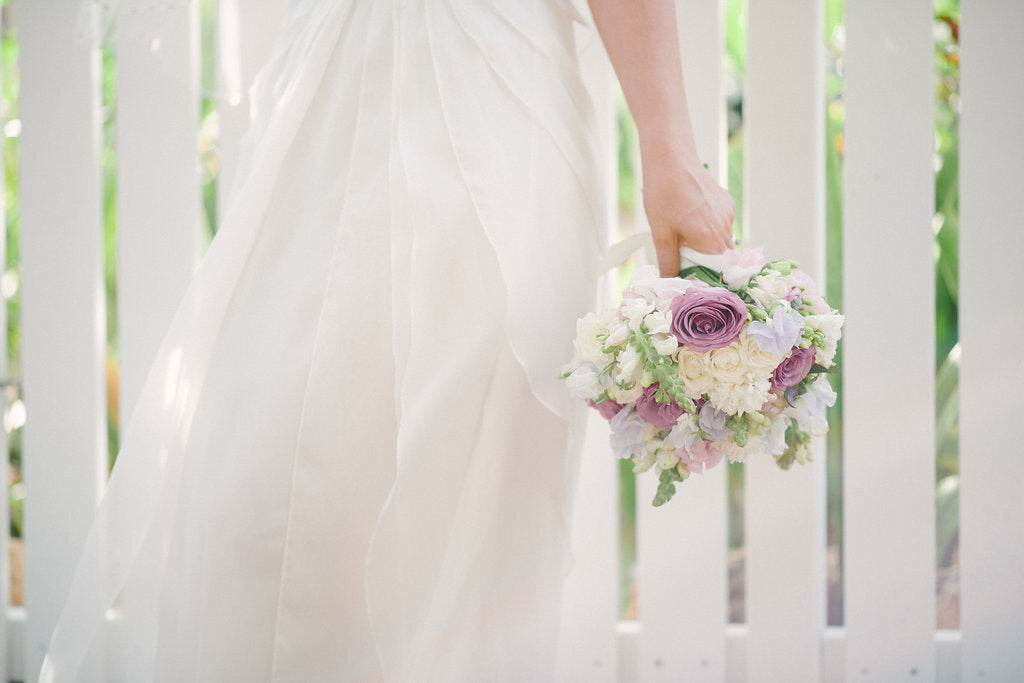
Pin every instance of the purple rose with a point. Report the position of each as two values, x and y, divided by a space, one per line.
705 318
608 409
661 415
793 369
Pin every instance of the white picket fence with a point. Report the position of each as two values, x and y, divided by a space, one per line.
683 632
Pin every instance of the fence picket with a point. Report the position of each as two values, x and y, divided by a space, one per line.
62 325
681 547
158 188
889 450
991 325
784 191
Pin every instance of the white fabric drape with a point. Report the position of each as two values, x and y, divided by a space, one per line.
352 459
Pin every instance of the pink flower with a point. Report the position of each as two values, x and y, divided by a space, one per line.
608 409
706 318
661 415
739 265
812 299
702 456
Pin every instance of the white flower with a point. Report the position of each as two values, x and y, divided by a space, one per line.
775 436
624 396
584 382
809 408
665 344
588 347
618 333
667 458
831 325
646 283
695 371
630 366
643 462
634 309
771 287
744 397
658 322
727 363
826 357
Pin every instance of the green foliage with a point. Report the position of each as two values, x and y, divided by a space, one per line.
667 486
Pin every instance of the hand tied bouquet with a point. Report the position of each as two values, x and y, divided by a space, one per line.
708 365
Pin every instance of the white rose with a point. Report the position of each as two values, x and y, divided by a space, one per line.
727 364
695 371
759 362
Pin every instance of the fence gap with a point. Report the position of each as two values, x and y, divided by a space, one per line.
946 226
835 114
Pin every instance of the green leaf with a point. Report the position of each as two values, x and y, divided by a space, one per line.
703 273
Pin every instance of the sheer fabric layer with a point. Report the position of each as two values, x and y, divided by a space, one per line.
352 459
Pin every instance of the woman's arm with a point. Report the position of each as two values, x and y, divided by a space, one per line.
685 205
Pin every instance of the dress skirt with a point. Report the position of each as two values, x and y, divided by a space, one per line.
352 459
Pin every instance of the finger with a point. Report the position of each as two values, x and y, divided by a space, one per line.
667 249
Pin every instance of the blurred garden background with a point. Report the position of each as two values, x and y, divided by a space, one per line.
945 226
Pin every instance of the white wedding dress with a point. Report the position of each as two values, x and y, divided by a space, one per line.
352 460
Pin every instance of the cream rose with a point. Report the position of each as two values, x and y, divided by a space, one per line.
727 364
760 363
695 371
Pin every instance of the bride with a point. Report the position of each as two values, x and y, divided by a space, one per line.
352 460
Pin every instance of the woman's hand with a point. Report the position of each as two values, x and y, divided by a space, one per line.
685 207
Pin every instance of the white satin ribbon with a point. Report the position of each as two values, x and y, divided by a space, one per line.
618 253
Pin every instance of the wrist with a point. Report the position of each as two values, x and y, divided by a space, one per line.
672 156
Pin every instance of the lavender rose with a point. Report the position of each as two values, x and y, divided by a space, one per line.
706 318
661 415
608 409
793 369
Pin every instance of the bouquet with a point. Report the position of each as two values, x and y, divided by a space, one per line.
726 363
